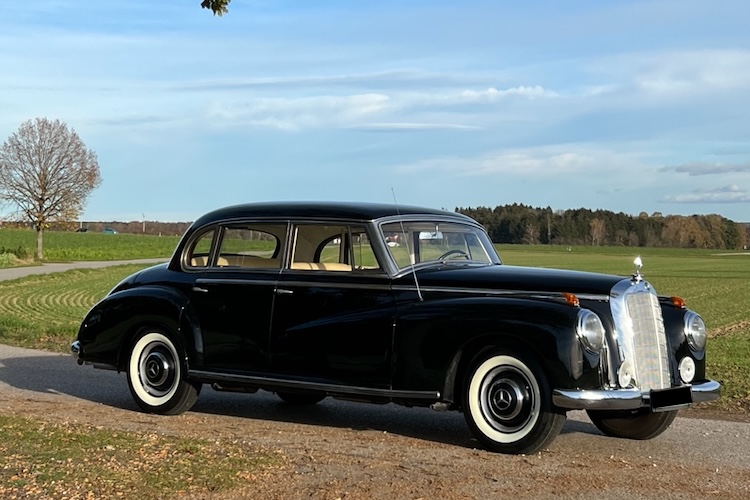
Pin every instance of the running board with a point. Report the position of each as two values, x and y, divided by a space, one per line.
275 384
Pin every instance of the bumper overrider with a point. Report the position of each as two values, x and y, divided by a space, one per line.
673 398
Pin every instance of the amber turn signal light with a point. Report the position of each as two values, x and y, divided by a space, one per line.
678 302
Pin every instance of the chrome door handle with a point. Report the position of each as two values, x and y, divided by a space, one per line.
283 291
199 289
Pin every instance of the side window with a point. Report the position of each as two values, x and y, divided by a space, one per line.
364 257
200 251
255 246
319 247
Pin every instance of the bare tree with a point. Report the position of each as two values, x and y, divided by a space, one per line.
597 232
531 234
47 172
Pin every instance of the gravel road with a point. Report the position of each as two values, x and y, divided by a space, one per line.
348 450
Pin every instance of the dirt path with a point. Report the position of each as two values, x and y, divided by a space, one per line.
360 451
12 273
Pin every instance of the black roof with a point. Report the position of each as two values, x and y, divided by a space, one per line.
320 209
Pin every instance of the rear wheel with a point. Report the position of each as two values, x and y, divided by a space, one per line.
508 404
156 375
639 424
300 398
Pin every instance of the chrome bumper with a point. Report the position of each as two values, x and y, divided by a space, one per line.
75 348
625 399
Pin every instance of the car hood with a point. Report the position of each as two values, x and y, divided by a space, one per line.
513 278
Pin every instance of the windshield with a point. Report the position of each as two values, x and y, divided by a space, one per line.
414 242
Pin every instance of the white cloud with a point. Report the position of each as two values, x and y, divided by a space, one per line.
295 114
676 73
726 194
543 162
405 126
705 168
493 95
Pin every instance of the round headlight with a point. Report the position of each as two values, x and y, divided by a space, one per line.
695 331
590 330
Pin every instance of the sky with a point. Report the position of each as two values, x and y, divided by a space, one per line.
628 106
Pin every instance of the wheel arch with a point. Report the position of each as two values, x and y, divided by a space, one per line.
480 346
128 313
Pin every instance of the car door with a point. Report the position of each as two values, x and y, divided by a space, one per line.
233 295
333 311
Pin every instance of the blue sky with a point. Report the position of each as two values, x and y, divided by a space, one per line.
627 106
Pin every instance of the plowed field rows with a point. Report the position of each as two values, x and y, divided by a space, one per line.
46 310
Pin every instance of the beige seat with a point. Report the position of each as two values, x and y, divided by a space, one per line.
238 261
321 266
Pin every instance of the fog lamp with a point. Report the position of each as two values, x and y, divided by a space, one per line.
687 369
626 374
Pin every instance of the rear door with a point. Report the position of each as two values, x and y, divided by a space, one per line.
233 295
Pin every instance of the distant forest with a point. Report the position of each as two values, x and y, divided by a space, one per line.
521 224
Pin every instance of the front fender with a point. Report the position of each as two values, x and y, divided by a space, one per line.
106 332
436 340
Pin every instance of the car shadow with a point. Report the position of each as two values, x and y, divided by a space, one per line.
59 374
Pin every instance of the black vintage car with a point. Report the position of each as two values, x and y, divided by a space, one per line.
397 304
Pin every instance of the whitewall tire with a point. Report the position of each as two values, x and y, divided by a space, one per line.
508 404
156 375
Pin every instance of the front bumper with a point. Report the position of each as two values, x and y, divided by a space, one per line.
628 399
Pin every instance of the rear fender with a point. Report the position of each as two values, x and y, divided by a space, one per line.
108 329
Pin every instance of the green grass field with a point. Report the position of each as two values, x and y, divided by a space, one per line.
62 246
45 311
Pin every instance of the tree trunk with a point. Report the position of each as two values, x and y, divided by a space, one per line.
39 238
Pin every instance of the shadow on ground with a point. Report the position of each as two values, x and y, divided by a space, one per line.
59 374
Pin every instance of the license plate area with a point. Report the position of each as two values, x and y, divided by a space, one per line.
673 398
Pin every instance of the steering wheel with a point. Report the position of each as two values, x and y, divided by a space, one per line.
455 251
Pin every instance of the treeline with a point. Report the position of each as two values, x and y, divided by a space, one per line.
521 224
154 228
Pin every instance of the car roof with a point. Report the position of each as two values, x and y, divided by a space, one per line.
319 209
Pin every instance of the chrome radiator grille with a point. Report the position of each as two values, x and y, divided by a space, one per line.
649 341
640 333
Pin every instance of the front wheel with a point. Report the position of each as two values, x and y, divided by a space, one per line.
639 424
156 376
508 404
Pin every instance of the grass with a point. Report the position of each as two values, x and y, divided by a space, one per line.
45 311
713 284
60 246
49 460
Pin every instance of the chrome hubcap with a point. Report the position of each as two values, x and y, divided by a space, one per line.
157 369
507 399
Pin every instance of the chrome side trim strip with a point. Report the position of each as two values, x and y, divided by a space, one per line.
491 291
333 389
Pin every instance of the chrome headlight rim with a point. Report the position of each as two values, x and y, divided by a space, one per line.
695 331
590 331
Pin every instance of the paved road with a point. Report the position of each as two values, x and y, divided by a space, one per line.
12 273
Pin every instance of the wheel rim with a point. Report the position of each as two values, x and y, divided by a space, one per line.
504 399
157 369
154 369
